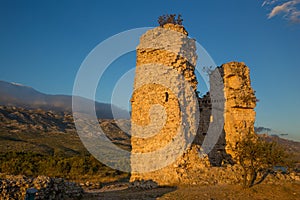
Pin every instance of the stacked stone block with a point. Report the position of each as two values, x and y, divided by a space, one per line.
240 102
164 105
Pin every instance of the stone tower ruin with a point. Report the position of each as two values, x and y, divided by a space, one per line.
169 120
164 79
235 99
240 102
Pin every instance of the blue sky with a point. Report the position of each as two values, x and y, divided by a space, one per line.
43 43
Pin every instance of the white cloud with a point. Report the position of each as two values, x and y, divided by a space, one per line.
295 17
269 2
284 8
287 9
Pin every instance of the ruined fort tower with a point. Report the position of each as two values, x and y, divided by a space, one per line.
168 124
231 94
239 105
164 103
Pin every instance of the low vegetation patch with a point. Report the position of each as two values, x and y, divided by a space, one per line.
77 168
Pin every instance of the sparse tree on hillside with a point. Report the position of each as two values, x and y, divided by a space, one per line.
256 155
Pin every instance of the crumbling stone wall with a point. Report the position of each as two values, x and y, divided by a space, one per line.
231 102
217 155
240 102
205 107
232 96
158 92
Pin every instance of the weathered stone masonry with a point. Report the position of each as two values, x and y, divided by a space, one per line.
240 102
161 50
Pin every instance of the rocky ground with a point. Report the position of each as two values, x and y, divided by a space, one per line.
279 186
275 186
16 187
284 191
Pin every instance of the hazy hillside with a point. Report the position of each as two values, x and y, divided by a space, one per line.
38 142
12 94
292 147
49 132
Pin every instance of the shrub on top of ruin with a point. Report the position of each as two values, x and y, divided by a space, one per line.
170 19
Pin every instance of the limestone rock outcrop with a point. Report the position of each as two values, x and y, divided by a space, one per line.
15 187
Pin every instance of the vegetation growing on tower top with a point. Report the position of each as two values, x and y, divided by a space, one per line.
170 19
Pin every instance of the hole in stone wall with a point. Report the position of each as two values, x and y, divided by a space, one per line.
167 97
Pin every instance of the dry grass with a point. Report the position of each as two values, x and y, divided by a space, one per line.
288 191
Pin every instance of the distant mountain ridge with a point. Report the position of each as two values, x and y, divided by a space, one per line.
13 94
